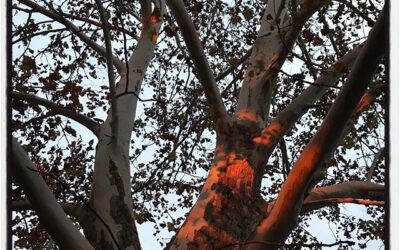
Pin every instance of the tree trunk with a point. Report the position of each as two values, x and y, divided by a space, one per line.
229 206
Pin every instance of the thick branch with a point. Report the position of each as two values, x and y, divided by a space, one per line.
50 213
218 112
283 215
80 118
359 192
285 119
59 18
68 208
275 41
366 100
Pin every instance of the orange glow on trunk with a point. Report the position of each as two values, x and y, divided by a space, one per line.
268 134
246 115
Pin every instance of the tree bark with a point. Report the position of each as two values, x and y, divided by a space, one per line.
282 218
111 198
50 213
230 206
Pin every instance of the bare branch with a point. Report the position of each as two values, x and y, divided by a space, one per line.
218 112
50 213
358 12
68 208
80 118
308 61
285 160
59 18
347 192
365 101
358 192
288 204
333 201
42 33
285 119
110 71
99 24
330 36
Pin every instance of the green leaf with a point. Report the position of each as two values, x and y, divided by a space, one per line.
170 226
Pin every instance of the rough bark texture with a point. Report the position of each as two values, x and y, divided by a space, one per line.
229 205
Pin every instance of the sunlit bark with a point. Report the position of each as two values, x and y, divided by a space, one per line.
282 218
285 119
346 192
229 210
233 183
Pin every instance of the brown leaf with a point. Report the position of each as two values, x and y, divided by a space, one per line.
28 64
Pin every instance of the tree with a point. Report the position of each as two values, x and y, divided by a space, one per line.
264 116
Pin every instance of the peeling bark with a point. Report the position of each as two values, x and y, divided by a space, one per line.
111 196
229 205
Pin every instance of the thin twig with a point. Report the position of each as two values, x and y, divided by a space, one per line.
57 16
56 108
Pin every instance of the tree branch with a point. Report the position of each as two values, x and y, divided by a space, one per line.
50 213
99 24
275 41
330 36
59 18
68 208
80 118
365 101
359 192
266 244
308 60
283 122
218 112
110 71
358 12
288 204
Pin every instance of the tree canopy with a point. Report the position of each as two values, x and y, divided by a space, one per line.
224 124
